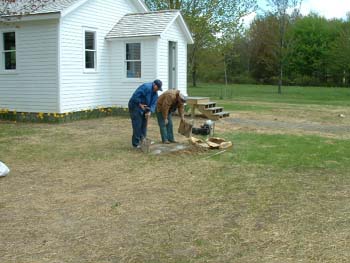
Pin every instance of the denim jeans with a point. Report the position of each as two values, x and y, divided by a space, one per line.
166 131
139 125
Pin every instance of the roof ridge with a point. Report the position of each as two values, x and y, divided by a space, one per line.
155 12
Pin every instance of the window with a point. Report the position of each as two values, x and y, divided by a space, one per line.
90 50
9 50
133 60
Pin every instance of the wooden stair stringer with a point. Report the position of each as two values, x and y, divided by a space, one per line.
207 108
211 111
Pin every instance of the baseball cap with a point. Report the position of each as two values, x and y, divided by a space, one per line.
182 97
159 84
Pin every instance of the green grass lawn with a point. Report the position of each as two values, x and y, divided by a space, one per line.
283 151
77 192
268 93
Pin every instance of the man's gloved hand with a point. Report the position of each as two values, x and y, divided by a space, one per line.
166 121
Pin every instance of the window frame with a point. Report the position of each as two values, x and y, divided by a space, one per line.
132 60
94 69
3 70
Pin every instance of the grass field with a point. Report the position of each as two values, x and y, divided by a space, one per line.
265 93
77 192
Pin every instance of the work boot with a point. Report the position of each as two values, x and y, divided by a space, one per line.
166 142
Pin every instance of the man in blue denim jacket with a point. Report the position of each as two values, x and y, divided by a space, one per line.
141 104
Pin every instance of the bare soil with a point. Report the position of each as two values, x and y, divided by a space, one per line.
327 121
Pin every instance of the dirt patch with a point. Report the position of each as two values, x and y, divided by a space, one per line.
323 114
168 148
339 130
327 121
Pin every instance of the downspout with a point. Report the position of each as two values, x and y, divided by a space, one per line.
157 57
59 108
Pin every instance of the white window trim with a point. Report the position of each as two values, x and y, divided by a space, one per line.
2 52
126 79
90 70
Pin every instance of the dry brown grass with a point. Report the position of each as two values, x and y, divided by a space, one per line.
78 193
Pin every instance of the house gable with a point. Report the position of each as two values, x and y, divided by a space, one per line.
148 24
184 28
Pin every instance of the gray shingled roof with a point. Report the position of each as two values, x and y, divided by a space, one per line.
57 6
142 24
51 7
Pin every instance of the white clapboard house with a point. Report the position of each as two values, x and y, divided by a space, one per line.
73 55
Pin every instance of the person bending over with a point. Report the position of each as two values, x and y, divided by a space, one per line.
141 104
167 104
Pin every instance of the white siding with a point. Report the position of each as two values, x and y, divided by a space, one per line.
174 34
50 73
122 88
81 90
33 88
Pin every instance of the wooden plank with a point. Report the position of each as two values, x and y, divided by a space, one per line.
196 100
215 109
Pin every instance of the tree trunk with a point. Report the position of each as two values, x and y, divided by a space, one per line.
193 67
280 55
174 4
280 80
225 69
194 78
178 4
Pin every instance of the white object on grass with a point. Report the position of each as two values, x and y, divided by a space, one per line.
4 170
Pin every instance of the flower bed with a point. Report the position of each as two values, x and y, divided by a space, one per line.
41 117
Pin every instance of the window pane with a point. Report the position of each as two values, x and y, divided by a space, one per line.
10 60
133 51
9 41
90 40
89 59
133 69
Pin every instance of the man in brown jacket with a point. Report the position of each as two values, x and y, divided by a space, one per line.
169 102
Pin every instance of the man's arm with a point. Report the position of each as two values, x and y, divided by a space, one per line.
153 103
181 110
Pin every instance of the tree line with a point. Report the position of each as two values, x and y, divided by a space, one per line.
316 53
277 46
